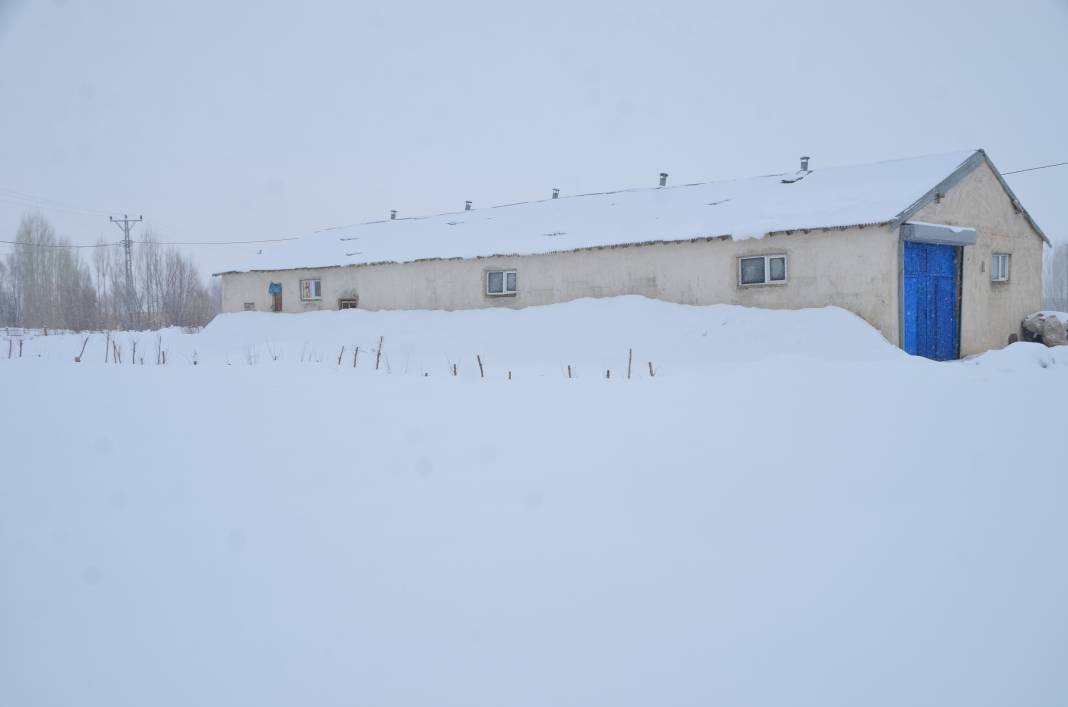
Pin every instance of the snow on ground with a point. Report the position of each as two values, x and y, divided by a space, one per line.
790 512
590 335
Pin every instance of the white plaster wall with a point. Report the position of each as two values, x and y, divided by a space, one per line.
991 311
853 268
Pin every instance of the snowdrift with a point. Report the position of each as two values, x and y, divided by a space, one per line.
592 336
791 512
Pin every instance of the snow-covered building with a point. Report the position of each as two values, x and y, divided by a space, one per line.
936 252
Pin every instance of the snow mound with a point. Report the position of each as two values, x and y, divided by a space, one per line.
593 336
1023 355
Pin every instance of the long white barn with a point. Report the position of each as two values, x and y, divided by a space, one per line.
936 252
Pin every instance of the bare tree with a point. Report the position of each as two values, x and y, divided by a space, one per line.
1055 281
45 283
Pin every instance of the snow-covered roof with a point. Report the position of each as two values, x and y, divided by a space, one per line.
876 193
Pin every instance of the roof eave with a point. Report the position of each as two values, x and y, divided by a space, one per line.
977 158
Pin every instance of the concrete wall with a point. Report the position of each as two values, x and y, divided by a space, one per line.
853 268
991 311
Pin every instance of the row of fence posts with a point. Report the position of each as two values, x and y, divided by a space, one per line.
113 351
454 368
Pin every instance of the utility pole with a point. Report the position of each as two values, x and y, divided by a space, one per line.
125 224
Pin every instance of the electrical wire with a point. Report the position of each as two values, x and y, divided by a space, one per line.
265 240
46 202
1032 169
60 245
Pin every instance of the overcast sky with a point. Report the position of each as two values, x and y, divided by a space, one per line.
271 119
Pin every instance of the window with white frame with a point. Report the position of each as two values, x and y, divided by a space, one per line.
999 267
762 270
501 282
311 289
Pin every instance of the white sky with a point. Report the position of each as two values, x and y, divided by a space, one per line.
272 119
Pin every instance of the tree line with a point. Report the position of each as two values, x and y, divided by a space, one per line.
1055 282
44 282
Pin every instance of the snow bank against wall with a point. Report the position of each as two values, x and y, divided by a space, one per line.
590 335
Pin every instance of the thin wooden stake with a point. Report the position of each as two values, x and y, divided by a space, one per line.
133 354
569 370
342 353
630 360
481 373
608 373
355 354
78 358
509 375
651 372
454 370
107 347
10 347
378 356
20 348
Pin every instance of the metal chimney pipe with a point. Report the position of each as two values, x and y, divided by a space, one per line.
663 179
556 193
467 206
804 163
392 214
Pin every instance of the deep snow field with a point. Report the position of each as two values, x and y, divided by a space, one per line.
791 512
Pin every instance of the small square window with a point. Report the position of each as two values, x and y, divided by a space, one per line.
999 267
752 271
762 269
250 306
502 282
350 303
311 289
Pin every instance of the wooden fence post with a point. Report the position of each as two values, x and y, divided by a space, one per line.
78 358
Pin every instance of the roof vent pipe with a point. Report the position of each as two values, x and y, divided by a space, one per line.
804 163
556 193
663 179
392 214
467 206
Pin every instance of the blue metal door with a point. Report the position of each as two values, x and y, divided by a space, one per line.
932 287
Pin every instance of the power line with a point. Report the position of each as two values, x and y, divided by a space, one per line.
60 245
114 243
46 202
1032 169
265 240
